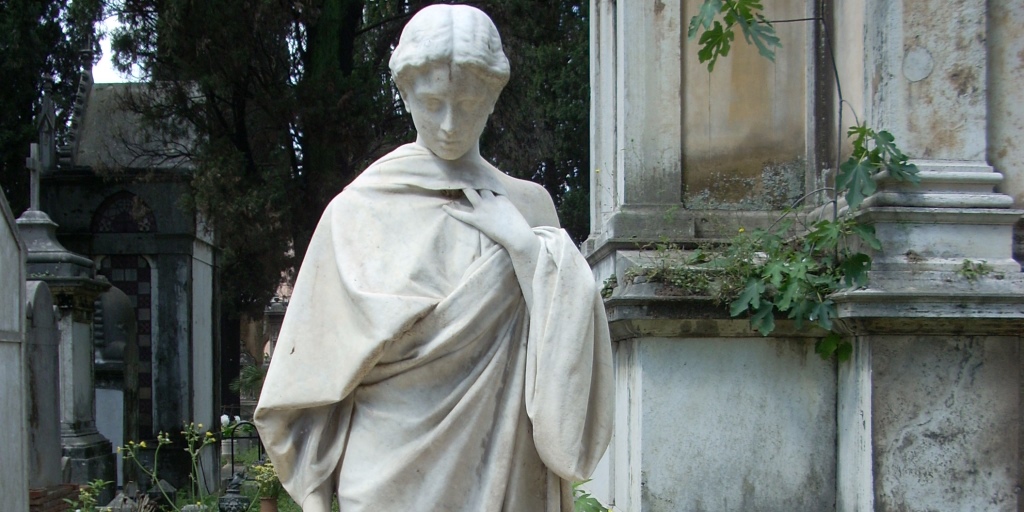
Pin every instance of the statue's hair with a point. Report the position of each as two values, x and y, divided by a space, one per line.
456 35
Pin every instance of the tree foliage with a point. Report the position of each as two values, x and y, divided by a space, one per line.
40 40
287 101
540 129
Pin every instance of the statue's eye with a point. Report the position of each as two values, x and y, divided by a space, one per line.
469 105
432 104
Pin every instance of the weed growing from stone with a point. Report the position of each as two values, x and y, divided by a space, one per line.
792 268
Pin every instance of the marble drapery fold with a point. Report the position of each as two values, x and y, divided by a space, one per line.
409 373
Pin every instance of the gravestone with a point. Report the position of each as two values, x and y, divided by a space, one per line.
42 353
13 424
42 350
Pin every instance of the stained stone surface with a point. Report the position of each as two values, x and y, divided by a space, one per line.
13 421
43 350
946 429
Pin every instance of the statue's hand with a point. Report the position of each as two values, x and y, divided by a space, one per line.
499 219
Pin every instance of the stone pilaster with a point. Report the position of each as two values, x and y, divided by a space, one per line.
929 405
636 121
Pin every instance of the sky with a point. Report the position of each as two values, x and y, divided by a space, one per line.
103 72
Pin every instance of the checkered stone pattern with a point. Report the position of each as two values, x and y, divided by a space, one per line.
133 275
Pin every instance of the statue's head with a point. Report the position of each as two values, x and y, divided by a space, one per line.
449 68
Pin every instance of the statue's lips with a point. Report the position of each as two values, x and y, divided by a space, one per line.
450 145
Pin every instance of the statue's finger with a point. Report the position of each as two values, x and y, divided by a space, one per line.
456 213
472 195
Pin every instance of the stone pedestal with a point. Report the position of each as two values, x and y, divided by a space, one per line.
712 416
75 286
929 420
929 406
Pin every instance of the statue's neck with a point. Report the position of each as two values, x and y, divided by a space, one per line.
471 155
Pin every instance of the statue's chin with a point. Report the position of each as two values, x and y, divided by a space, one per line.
448 155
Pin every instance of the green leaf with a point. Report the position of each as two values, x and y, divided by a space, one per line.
750 297
831 344
762 34
791 293
801 312
774 271
844 351
763 319
799 267
825 235
583 501
855 179
708 10
715 42
860 135
854 270
866 233
904 171
822 313
826 346
885 143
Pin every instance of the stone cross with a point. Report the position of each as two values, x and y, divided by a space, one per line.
43 155
35 166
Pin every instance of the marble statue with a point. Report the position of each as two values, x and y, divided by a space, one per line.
445 347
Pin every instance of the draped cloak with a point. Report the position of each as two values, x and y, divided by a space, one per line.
409 373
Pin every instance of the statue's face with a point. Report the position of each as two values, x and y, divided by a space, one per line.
449 107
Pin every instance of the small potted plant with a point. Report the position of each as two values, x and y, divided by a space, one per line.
268 486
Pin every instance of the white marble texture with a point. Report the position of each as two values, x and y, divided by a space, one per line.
445 347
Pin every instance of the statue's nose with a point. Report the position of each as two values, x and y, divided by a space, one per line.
448 120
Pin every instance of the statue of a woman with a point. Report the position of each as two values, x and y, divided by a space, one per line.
445 347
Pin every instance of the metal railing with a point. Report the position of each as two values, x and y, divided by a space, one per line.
230 437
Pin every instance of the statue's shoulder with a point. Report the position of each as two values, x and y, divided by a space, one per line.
395 159
532 200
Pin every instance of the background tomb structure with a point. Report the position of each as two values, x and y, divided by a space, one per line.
123 210
709 414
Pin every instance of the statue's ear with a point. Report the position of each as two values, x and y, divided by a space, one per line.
405 102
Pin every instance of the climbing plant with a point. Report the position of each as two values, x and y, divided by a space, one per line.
716 40
794 267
